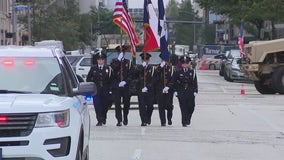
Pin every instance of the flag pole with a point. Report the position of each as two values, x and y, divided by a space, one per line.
144 52
121 70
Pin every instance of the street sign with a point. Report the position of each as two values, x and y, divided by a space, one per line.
21 8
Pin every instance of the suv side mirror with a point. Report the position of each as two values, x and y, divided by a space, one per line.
87 88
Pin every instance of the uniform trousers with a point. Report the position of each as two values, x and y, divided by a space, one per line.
165 103
118 93
101 107
145 102
186 100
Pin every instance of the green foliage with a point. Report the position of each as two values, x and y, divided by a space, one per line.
188 34
64 23
57 23
253 12
207 32
172 10
102 21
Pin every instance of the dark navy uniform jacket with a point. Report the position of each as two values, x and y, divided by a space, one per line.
184 81
101 77
163 76
121 71
146 80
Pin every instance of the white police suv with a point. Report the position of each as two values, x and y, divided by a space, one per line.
43 111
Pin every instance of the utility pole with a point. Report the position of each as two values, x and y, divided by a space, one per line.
14 22
29 23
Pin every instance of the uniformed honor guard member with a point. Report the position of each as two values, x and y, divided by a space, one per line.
185 81
121 72
145 73
164 73
100 74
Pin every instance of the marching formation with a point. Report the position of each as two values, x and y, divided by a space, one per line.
155 83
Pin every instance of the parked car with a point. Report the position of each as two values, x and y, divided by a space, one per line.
73 59
223 58
43 111
232 70
81 64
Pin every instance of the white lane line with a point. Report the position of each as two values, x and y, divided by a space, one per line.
143 130
137 154
268 122
223 89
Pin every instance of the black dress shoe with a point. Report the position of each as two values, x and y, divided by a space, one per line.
125 122
163 124
104 122
184 125
144 124
119 124
170 122
188 123
149 122
99 124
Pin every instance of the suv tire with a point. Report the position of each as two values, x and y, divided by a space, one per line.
79 153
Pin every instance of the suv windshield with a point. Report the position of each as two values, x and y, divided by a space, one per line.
36 75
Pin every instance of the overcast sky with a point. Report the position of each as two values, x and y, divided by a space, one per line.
140 3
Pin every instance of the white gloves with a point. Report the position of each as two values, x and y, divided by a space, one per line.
145 89
176 94
122 84
162 64
195 94
110 92
120 56
166 89
144 64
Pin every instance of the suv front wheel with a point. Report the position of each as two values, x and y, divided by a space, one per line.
79 153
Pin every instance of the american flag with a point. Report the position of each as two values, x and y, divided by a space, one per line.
241 41
122 18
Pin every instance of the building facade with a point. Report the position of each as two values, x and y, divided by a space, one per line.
5 22
85 5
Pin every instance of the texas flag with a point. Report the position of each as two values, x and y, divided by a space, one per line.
162 28
150 20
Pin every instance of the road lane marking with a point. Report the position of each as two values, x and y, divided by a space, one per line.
268 122
137 154
223 89
143 130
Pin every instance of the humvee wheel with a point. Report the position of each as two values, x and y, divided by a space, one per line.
263 89
278 80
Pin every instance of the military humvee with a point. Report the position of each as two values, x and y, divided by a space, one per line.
264 65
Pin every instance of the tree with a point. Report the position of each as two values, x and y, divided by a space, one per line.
56 22
171 14
253 12
102 21
185 33
172 10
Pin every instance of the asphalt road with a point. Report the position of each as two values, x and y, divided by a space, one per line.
225 126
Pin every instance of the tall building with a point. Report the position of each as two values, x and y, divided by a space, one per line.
85 5
5 22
